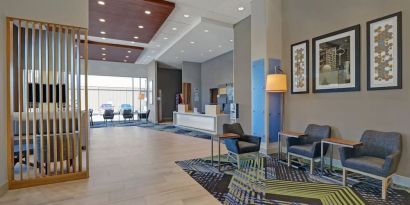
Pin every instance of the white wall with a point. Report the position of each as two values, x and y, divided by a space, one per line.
69 12
152 75
116 69
215 72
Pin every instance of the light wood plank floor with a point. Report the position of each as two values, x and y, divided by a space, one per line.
128 165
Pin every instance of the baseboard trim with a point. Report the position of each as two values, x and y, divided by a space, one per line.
4 188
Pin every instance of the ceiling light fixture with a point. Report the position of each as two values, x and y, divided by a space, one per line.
103 38
165 38
140 26
102 20
102 3
210 50
241 8
192 42
103 49
182 51
129 51
219 46
125 61
206 30
174 28
231 40
103 54
186 15
136 37
132 42
148 12
104 59
126 56
103 32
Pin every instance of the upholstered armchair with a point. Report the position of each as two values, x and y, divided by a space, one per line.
308 145
108 115
242 145
128 114
144 115
378 157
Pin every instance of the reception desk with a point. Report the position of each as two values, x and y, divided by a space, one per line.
211 124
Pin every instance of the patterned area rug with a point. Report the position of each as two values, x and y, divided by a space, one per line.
266 181
159 127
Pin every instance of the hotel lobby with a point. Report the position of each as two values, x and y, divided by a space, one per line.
190 102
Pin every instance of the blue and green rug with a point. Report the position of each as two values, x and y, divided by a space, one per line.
269 182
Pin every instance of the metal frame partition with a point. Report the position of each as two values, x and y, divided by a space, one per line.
47 132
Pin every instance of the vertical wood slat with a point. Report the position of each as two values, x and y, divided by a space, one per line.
26 97
79 147
60 101
9 90
54 94
47 66
34 96
41 70
40 60
20 96
67 121
73 107
86 99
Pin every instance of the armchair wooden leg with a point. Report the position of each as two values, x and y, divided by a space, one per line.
311 166
289 160
344 176
238 161
384 188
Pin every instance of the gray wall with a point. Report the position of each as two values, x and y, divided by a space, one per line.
353 112
191 73
242 71
152 76
73 12
169 81
215 72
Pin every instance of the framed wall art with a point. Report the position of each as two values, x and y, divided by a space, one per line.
384 53
336 61
300 67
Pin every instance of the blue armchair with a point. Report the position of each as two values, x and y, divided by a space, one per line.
308 145
378 157
244 144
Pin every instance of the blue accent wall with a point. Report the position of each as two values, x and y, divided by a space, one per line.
258 98
274 107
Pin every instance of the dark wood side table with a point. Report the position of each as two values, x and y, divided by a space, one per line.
286 134
219 137
338 142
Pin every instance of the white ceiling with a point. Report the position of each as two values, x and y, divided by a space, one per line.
175 35
216 16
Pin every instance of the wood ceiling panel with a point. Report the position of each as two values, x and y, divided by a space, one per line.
113 52
124 16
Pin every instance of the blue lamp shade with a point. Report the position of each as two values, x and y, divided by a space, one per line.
276 83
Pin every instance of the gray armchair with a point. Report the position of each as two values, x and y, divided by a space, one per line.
308 145
378 157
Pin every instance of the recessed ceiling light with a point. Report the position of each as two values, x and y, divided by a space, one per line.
165 38
103 49
136 37
101 3
210 50
148 12
186 15
231 40
129 51
132 42
219 46
126 56
182 51
102 20
192 42
103 54
174 28
140 26
206 30
103 32
103 38
104 59
125 61
241 8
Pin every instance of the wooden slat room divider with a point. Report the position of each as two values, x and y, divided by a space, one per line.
47 99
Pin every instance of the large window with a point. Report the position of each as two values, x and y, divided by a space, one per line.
117 93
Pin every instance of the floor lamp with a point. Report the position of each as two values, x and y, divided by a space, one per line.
276 83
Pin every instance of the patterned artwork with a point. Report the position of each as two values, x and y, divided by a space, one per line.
266 181
384 39
300 67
